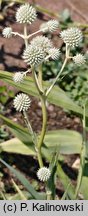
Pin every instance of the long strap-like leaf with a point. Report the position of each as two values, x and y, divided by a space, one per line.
56 96
24 181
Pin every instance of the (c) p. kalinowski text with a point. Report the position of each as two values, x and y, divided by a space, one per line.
60 207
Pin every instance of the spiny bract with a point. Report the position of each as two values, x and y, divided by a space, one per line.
54 53
79 59
21 102
72 36
33 55
43 174
26 14
7 32
49 26
18 77
43 42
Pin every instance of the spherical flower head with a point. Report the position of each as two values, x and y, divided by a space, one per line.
43 174
72 36
21 102
18 77
33 55
79 59
7 32
26 14
43 42
50 26
54 53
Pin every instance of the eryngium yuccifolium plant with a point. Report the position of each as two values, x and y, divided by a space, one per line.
33 55
49 26
22 102
43 42
79 59
72 36
26 14
18 77
7 32
43 174
54 53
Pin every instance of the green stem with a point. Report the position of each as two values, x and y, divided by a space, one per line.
17 189
84 123
43 131
57 77
30 35
17 34
25 36
62 68
44 113
48 195
36 82
3 196
82 156
29 127
43 103
40 77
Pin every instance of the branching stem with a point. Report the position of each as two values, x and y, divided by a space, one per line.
25 36
59 74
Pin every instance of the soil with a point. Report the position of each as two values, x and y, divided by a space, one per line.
11 60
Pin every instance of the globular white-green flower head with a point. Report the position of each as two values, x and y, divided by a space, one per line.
22 102
7 32
50 26
26 14
43 174
72 36
79 59
42 42
33 55
54 53
18 77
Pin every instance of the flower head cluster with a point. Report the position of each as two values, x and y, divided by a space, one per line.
72 36
18 77
42 42
7 32
33 55
54 53
22 102
79 59
49 26
26 14
43 174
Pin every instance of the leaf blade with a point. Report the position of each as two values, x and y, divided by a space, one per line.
57 96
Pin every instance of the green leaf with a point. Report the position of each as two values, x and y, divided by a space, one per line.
84 184
18 131
64 141
17 196
65 182
24 181
84 188
57 96
65 195
2 89
21 194
16 146
51 182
